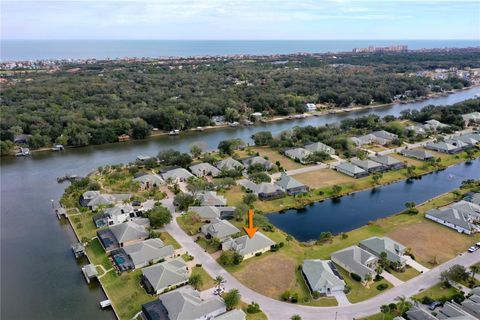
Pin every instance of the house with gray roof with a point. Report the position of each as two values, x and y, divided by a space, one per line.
419 129
416 313
235 314
95 199
176 175
184 304
455 219
123 234
356 260
212 212
229 164
351 170
469 208
290 185
473 197
454 311
368 165
299 154
320 147
390 163
471 139
377 245
417 154
472 303
205 169
220 229
148 251
149 180
470 118
449 147
322 276
434 125
263 190
257 160
248 247
165 275
211 198
380 137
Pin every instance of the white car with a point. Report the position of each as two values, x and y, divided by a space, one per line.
472 249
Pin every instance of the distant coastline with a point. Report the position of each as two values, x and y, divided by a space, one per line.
24 50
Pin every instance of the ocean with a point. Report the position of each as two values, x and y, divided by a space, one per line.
15 50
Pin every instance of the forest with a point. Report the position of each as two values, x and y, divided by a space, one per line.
83 104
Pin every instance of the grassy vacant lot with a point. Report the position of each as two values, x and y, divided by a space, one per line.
206 279
323 178
274 156
436 292
189 223
359 292
408 274
168 239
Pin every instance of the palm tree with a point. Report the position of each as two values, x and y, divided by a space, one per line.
195 281
474 269
218 281
384 310
402 303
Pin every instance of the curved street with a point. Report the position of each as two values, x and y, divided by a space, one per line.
278 310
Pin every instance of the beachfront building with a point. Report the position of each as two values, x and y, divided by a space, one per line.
322 277
356 260
351 170
164 276
123 234
248 247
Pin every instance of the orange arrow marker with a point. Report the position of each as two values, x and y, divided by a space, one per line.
251 229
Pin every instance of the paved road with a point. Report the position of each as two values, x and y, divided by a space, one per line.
278 310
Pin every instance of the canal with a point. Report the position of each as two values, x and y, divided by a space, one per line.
357 209
39 276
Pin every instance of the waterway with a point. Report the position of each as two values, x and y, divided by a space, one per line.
39 276
357 209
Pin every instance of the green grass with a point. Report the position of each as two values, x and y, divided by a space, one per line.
206 279
436 292
358 292
252 316
204 243
408 274
189 223
169 240
97 255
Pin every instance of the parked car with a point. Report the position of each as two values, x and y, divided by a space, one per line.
472 249
478 244
218 291
435 305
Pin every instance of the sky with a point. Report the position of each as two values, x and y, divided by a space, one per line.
241 19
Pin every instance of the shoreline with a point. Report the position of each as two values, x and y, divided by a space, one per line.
159 134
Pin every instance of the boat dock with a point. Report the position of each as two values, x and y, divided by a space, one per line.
59 210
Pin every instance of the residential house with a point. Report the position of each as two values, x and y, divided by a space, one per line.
472 303
356 260
390 163
235 314
417 154
208 213
473 197
470 118
298 154
229 164
368 165
257 160
470 208
419 129
148 181
290 185
351 170
119 213
381 137
219 229
176 175
310 107
21 139
123 234
449 146
434 125
248 247
416 313
100 220
264 190
205 169
164 276
394 250
142 254
322 276
320 147
454 311
458 220
471 139
211 198
94 199
184 304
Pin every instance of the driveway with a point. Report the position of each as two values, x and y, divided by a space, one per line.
415 265
341 298
391 278
278 310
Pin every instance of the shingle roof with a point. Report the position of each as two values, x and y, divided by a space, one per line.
129 231
319 274
356 259
229 164
453 216
177 173
203 168
148 250
286 182
206 212
235 314
385 160
261 188
393 249
245 245
220 229
298 153
347 166
119 209
186 304
319 147
416 153
211 198
365 164
167 273
257 160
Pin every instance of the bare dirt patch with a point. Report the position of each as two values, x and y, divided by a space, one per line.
270 275
274 156
430 241
323 178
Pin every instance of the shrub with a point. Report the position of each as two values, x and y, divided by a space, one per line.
382 286
258 254
427 300
286 296
294 298
253 307
316 294
378 278
355 277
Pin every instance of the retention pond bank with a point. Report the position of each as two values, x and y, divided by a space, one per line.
357 209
